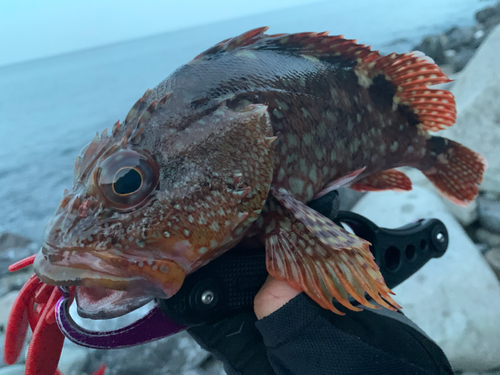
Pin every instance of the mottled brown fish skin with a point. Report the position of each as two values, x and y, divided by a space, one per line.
327 124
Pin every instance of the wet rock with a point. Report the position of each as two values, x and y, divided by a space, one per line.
12 240
486 237
489 17
477 93
459 37
12 370
13 248
461 58
489 211
14 281
454 299
6 303
493 259
73 358
434 47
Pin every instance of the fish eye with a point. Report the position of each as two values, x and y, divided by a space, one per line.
127 178
127 181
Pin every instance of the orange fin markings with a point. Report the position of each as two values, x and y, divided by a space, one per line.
339 182
457 171
317 256
310 43
413 73
390 179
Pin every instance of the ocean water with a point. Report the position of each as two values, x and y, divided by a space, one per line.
50 108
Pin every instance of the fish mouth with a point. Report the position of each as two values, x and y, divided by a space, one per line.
108 284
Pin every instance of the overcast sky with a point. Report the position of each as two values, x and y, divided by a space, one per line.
32 29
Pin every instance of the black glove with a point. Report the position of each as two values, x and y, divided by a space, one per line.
303 338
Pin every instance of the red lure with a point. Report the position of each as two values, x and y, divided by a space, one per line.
35 306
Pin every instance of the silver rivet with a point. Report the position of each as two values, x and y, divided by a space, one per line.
207 297
440 237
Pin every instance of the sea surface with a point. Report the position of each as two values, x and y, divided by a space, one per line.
50 108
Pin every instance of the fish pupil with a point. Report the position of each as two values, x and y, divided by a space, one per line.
127 181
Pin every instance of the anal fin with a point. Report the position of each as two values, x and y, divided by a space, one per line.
390 179
317 256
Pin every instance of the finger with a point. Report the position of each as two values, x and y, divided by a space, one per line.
273 295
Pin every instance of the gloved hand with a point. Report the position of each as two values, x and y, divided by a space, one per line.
296 336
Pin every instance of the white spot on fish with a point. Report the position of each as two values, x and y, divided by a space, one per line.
281 174
292 140
202 220
214 226
296 185
312 174
202 250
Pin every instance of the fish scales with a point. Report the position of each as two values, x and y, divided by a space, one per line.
315 106
233 144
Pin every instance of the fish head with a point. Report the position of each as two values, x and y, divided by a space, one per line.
146 211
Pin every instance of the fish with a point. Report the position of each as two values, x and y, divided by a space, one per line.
233 145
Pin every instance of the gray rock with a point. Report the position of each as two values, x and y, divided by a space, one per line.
477 93
489 211
493 259
461 58
12 240
13 248
6 303
489 17
486 237
14 281
73 359
459 37
485 14
454 299
12 370
433 46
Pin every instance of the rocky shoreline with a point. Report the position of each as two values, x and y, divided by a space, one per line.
454 48
455 299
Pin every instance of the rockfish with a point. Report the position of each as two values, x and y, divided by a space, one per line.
232 145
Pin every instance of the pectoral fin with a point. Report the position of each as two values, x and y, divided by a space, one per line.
317 256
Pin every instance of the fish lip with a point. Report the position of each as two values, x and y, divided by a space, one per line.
54 271
104 290
74 267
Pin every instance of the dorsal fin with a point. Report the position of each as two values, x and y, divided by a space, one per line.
309 43
411 73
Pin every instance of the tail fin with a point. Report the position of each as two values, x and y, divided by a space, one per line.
455 170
